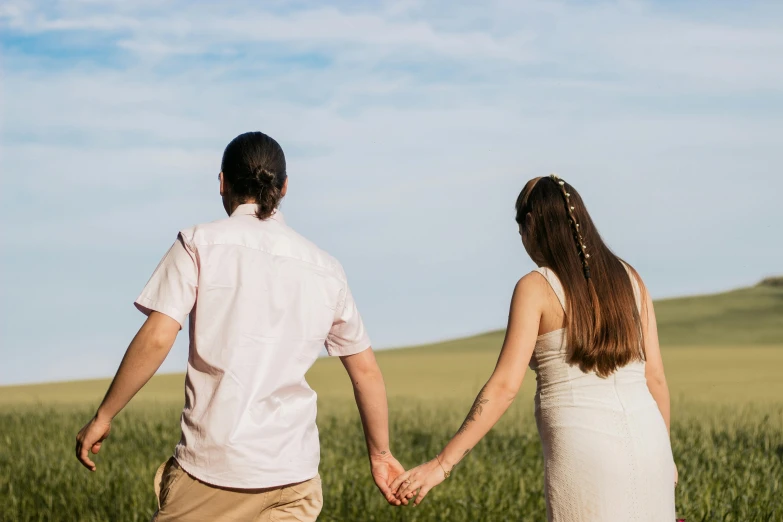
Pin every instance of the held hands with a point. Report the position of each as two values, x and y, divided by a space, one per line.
385 469
421 479
90 438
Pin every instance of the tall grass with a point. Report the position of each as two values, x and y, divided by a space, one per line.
729 470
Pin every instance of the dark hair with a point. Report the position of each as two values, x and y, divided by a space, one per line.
603 323
254 168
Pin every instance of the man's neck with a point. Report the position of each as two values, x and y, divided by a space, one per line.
231 207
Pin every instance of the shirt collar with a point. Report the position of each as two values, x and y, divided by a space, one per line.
249 209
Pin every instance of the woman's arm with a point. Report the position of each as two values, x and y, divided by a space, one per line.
653 369
494 398
656 378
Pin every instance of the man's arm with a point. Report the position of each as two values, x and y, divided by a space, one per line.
144 356
370 393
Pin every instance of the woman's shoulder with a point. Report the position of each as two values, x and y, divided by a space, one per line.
533 284
636 278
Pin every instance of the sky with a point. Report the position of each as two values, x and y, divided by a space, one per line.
409 129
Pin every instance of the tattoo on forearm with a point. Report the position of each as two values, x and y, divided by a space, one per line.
475 411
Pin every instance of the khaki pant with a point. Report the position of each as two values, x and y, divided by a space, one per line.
182 498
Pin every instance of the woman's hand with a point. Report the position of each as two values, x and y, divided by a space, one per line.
421 479
676 476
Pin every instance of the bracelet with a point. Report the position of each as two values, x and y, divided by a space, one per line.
446 474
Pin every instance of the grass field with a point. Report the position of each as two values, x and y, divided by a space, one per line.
723 356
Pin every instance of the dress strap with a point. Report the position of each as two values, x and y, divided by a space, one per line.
557 286
554 282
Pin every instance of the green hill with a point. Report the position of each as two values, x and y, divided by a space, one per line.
748 316
725 347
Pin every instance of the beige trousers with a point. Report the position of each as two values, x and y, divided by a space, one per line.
182 498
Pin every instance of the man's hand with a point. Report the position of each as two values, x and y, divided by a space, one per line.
89 439
385 469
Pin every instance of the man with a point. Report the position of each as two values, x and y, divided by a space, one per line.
263 301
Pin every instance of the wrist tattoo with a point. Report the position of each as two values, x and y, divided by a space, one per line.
463 456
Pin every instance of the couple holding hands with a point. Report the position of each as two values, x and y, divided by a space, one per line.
260 303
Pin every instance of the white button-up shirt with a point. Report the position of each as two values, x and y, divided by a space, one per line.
263 301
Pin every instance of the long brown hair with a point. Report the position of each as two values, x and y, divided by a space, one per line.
603 323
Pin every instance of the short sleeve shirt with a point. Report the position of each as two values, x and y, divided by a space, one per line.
260 302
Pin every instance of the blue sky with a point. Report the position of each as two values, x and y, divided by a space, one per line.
409 128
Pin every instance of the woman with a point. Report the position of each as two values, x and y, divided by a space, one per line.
585 324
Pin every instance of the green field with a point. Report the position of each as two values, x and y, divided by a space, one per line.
723 356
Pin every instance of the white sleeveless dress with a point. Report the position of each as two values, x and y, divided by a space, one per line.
607 454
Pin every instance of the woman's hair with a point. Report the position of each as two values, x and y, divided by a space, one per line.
254 168
603 323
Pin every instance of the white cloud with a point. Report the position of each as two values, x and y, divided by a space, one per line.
409 128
